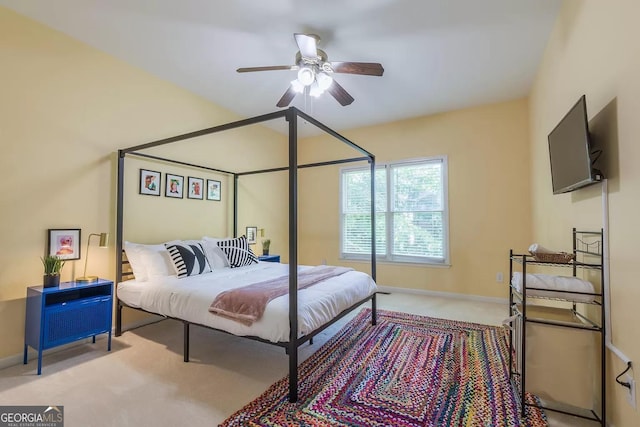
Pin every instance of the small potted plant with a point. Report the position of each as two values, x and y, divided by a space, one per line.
52 267
265 246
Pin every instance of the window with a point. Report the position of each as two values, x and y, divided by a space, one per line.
411 212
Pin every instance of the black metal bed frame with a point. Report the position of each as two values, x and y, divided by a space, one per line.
290 115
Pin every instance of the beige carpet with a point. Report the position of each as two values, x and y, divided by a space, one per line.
144 382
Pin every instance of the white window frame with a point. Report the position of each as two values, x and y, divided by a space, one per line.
388 214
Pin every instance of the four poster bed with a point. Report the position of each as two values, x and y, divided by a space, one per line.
311 298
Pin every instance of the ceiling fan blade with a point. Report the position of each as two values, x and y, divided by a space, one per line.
270 68
287 97
341 95
366 68
307 43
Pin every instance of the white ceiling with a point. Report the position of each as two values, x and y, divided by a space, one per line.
438 55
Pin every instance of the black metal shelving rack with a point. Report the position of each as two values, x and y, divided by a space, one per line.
587 245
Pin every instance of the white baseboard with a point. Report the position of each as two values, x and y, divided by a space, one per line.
32 354
452 295
5 362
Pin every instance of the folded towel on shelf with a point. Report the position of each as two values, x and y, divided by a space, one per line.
564 287
539 249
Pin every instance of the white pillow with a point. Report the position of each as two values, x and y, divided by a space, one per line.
158 262
215 255
138 254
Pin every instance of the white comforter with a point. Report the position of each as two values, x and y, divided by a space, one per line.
189 299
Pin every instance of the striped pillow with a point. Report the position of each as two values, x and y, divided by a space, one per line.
188 258
238 252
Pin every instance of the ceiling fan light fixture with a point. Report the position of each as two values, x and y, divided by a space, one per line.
297 86
315 72
324 80
315 90
306 76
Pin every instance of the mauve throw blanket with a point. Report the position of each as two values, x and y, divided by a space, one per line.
247 304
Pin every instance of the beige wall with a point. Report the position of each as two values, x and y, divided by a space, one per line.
64 111
487 149
593 50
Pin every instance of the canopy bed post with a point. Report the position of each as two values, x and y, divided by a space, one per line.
119 226
372 163
235 204
292 118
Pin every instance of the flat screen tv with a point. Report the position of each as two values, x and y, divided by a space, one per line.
570 151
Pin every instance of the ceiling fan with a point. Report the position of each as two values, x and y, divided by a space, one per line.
315 71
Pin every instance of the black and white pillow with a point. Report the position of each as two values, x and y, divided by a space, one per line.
188 258
238 252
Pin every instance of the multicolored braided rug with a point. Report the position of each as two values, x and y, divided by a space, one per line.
407 371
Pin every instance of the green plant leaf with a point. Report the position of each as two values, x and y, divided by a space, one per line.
52 264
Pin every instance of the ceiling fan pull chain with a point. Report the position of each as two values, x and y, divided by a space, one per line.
306 99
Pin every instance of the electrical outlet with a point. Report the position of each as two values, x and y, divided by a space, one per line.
631 392
499 277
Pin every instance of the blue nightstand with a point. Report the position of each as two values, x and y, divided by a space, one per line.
67 313
269 258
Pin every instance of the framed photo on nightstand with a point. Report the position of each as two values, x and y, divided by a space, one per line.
64 243
252 234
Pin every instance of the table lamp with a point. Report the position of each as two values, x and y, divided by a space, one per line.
104 240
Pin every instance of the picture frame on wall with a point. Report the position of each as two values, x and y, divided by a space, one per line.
150 182
174 185
214 190
64 243
195 188
252 235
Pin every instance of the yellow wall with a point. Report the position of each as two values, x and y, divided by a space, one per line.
64 111
69 107
487 149
261 201
593 50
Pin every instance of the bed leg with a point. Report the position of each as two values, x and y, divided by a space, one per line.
119 319
293 373
311 341
374 314
186 341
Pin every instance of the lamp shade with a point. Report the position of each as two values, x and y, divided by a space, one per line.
306 76
315 90
324 80
297 86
